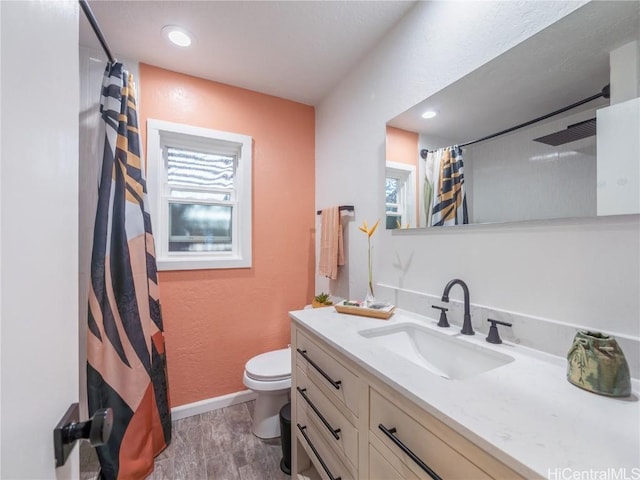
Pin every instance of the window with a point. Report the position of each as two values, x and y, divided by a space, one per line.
200 196
399 195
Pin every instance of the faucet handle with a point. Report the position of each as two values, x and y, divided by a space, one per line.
494 336
443 322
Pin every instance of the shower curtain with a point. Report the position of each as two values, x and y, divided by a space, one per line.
126 365
432 172
444 183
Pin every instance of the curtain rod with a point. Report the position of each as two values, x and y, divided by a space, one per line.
342 208
604 93
96 28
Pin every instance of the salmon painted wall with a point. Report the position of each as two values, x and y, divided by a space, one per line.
215 320
402 147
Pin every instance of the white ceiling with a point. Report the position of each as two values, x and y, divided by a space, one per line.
291 49
562 64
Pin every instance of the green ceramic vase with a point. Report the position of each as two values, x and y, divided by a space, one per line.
596 363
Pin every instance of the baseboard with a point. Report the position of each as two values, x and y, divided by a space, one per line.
209 404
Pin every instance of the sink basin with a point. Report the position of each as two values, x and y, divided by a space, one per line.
445 355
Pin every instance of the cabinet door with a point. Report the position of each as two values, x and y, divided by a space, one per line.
381 469
318 364
416 446
336 429
324 458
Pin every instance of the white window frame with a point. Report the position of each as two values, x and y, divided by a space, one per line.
161 134
405 174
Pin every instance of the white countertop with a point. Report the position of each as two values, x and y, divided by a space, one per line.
525 411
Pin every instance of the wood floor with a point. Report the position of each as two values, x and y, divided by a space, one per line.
216 445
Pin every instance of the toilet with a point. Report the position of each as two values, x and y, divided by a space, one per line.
269 375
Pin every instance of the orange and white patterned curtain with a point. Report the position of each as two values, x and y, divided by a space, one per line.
126 364
449 199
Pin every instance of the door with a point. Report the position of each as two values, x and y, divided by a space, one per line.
38 233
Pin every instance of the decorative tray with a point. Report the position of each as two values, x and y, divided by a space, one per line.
381 311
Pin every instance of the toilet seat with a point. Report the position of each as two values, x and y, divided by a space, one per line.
260 386
272 366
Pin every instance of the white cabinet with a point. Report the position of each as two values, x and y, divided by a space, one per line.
331 375
348 425
382 468
411 439
333 425
325 408
618 153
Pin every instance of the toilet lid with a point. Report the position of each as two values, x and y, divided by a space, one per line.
270 366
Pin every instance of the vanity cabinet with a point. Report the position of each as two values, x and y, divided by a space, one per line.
325 408
347 424
412 440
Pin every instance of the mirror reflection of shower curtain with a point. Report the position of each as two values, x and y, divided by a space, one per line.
445 199
432 172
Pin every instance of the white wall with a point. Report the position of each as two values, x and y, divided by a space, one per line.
91 138
584 273
514 178
39 218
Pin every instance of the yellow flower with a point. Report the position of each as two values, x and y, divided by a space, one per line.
369 232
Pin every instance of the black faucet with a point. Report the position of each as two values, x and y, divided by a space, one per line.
467 329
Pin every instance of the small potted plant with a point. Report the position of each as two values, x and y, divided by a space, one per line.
321 300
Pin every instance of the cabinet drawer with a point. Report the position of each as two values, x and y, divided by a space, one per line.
324 458
336 429
381 469
440 457
316 363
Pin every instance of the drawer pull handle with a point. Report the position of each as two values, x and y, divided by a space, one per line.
334 431
336 384
302 429
389 432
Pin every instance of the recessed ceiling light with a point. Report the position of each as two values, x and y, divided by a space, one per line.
177 36
429 114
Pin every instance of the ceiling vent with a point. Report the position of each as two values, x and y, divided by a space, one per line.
574 132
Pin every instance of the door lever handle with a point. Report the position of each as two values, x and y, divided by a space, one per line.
70 429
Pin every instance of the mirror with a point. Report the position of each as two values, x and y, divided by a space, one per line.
589 167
